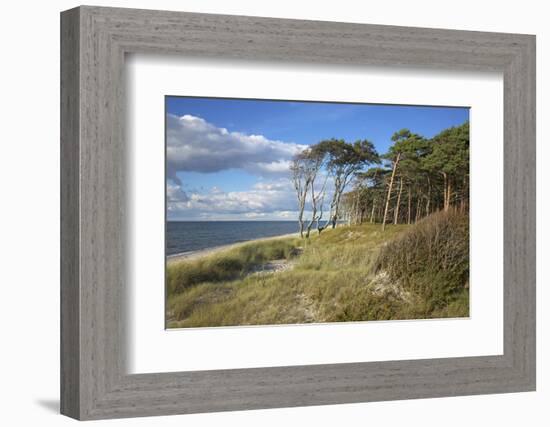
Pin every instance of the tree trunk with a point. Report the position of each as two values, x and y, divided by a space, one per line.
336 209
333 214
463 196
445 188
308 229
357 220
396 214
417 213
302 204
409 207
449 193
334 218
313 212
395 163
372 211
429 197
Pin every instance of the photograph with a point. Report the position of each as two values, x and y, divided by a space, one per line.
296 212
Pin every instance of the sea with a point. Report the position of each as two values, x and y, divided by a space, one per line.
190 236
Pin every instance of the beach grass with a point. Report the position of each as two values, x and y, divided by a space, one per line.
228 264
346 274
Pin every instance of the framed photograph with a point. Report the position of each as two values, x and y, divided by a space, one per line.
262 213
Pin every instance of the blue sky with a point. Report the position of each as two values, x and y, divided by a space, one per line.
228 158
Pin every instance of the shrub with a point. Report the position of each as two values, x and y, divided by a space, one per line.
431 259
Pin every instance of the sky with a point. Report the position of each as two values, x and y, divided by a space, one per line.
228 159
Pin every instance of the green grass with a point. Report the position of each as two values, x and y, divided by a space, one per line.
345 274
227 265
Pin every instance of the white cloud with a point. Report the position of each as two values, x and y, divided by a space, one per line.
195 145
266 199
174 193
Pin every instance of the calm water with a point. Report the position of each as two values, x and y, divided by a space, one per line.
196 235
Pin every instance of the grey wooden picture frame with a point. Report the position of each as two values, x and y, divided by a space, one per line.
94 42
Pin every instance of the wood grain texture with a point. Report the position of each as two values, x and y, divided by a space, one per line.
94 382
70 291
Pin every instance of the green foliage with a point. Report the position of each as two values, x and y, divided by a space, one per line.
450 151
341 154
409 145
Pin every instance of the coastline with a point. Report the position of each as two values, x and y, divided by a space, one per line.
185 256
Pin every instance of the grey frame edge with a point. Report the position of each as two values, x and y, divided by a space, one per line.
94 382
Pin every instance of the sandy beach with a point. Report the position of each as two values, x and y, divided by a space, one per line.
171 259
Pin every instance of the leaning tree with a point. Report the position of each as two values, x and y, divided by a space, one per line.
304 168
343 160
406 147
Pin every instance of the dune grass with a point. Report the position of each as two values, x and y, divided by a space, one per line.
346 274
227 265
